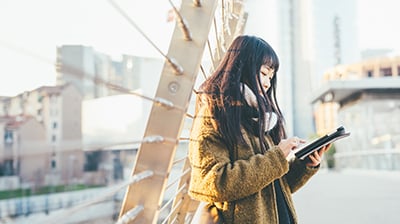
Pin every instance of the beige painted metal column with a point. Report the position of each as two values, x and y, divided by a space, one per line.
183 204
165 122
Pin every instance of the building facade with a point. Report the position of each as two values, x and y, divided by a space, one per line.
364 97
98 75
42 135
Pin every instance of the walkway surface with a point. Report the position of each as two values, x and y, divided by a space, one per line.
350 197
330 197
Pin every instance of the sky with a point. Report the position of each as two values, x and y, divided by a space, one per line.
30 31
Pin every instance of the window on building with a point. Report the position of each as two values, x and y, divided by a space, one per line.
369 73
53 138
54 125
386 72
8 137
53 163
7 168
92 161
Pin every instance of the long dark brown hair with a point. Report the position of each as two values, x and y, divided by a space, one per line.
240 65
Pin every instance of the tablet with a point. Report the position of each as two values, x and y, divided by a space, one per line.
304 150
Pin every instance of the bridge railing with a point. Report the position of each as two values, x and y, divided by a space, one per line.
144 201
203 31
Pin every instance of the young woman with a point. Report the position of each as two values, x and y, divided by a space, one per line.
239 151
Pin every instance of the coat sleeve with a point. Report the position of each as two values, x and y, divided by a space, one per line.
215 178
299 174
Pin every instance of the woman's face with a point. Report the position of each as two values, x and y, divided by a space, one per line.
266 74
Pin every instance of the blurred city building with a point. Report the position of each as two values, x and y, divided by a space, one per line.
365 98
42 136
46 142
94 73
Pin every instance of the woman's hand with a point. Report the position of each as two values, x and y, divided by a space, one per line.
316 157
287 145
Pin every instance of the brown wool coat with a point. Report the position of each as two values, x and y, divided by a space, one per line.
243 190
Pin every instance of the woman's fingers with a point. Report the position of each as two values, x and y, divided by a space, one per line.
315 159
324 149
297 141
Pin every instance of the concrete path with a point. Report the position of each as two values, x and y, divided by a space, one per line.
350 197
330 197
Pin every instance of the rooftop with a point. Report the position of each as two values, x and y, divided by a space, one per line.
340 90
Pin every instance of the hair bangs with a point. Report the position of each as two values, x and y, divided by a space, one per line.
271 59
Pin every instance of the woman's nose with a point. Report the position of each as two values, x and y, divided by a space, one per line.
267 84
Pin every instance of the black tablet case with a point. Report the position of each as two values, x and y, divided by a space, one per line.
318 143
